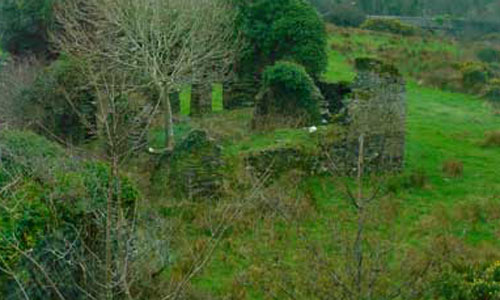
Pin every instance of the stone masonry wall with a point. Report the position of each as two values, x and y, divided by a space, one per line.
375 112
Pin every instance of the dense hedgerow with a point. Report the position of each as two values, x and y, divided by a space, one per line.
288 92
390 26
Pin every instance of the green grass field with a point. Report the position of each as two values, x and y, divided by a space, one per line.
265 252
441 126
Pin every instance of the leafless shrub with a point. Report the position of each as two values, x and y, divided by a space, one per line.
16 75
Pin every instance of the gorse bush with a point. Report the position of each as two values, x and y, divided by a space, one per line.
390 26
469 283
287 91
474 75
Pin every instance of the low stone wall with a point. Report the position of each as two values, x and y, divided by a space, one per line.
240 94
270 164
335 94
193 170
375 116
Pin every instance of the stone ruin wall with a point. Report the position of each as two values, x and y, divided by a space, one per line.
374 107
377 112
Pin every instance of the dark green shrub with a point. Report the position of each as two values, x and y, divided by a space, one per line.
24 25
346 15
492 93
61 103
281 29
474 75
469 283
288 92
48 200
489 55
390 26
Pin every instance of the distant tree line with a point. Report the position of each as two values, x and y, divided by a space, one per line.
485 10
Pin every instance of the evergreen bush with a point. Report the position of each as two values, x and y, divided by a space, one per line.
474 75
24 25
281 29
288 92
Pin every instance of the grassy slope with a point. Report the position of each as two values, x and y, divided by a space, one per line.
441 126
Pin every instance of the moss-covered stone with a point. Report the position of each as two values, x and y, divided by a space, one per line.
240 94
368 64
377 112
334 94
192 170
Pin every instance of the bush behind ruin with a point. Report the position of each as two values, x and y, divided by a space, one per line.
287 91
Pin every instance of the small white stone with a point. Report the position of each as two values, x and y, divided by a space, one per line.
313 129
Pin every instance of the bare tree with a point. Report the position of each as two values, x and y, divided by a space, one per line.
166 44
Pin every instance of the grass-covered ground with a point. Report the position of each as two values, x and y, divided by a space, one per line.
424 213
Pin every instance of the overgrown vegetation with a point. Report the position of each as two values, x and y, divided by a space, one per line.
147 185
25 25
390 26
287 93
282 30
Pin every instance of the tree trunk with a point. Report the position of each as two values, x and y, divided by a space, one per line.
201 99
175 100
169 121
358 244
109 224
